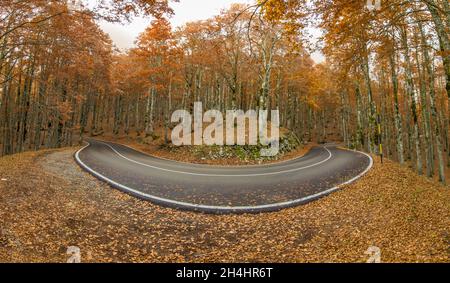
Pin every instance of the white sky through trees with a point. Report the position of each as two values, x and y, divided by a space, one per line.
124 35
185 11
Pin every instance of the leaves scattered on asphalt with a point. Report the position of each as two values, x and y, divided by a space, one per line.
209 154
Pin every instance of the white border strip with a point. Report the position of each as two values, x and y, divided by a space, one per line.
219 209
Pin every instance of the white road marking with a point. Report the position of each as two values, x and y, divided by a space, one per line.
330 155
243 209
283 162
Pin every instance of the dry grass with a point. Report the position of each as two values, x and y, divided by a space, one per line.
47 204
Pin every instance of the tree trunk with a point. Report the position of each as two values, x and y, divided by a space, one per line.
149 113
397 115
434 114
410 92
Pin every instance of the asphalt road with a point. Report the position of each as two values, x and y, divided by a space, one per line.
219 189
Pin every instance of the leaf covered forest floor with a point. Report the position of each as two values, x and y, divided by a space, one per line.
47 203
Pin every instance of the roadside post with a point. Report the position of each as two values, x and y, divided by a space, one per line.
380 140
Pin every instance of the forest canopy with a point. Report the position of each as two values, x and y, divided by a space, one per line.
385 81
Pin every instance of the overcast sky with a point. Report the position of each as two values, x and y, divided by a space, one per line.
124 36
185 11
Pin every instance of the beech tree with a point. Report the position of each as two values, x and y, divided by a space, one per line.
392 50
55 69
62 80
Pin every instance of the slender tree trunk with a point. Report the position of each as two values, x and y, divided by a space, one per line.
411 93
434 114
40 109
398 118
149 113
371 113
426 118
359 128
117 115
137 123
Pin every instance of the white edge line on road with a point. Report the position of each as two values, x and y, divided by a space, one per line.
244 209
220 175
